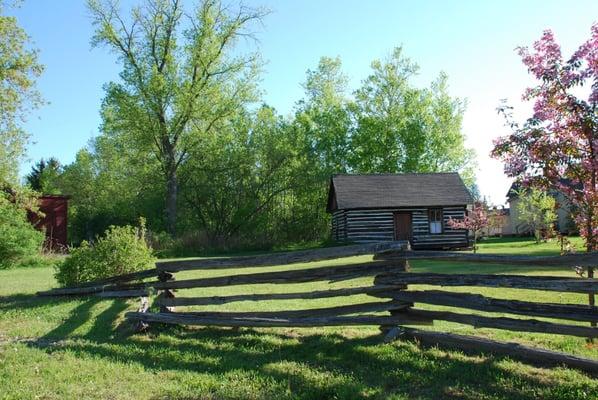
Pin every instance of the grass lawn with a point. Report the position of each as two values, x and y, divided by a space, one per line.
80 348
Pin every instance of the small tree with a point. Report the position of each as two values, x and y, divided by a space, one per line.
537 210
474 221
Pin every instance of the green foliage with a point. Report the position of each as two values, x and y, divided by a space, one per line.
182 72
20 243
162 243
323 118
237 175
111 183
19 68
402 128
121 250
44 176
537 210
243 190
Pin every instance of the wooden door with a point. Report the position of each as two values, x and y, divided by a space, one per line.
402 222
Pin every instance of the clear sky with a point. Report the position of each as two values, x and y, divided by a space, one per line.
472 41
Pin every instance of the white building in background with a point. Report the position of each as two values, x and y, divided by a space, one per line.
514 225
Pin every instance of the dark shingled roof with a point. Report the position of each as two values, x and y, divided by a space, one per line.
397 190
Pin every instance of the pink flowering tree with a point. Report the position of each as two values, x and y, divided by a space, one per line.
557 147
475 221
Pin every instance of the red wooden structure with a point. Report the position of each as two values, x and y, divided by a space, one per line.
52 220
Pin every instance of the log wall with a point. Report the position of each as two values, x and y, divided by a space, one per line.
339 225
377 225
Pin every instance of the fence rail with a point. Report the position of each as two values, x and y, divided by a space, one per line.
316 294
574 312
391 280
568 260
557 284
189 319
270 260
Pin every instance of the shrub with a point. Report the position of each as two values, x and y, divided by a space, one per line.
161 242
121 250
20 242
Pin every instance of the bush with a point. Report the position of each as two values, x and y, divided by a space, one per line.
20 243
122 250
161 242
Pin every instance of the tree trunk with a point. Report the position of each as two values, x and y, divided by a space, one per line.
592 298
88 231
590 248
171 201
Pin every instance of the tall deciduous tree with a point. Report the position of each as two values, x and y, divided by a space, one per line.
402 128
557 147
181 74
19 69
324 117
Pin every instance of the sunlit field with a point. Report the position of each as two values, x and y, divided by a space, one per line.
56 348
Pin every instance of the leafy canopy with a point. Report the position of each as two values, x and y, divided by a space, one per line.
402 128
181 75
19 69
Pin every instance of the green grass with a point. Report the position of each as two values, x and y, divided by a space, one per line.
82 348
511 245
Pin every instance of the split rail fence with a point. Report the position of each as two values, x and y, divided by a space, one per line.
392 304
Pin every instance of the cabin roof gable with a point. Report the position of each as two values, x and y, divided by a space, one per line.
352 191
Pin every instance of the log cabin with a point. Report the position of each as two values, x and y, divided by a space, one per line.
387 207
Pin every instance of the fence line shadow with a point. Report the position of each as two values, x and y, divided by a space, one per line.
401 368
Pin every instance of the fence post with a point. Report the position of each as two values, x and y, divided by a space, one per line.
164 276
402 265
141 326
591 300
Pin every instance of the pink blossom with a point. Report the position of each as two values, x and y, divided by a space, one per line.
558 146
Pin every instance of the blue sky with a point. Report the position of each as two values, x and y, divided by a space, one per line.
472 41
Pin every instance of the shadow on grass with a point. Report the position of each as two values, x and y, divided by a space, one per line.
80 311
29 301
323 365
310 366
103 323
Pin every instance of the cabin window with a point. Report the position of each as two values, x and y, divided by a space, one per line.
435 218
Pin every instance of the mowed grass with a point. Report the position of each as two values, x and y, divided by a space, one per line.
63 348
